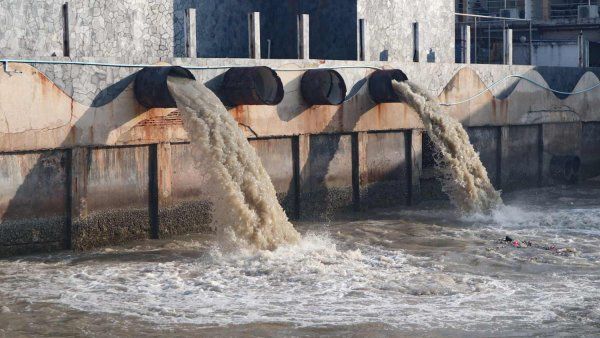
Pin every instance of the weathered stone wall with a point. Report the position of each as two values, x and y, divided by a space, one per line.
138 29
390 31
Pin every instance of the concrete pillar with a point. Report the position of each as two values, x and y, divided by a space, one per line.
302 169
161 172
583 51
546 9
359 166
80 161
190 33
254 35
466 37
303 37
415 42
66 32
508 47
528 9
414 152
503 155
363 41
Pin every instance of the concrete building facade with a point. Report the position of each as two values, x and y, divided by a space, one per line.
136 29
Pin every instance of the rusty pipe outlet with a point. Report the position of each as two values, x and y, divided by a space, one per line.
150 86
323 87
380 85
251 86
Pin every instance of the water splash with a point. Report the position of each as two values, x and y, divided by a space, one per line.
463 176
246 209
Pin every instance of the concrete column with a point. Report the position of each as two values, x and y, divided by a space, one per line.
583 51
508 46
66 31
78 182
190 33
359 166
254 35
414 152
161 172
546 9
415 42
363 41
503 156
528 9
303 37
302 169
466 37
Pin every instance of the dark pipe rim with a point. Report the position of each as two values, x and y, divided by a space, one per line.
150 85
380 85
258 85
317 96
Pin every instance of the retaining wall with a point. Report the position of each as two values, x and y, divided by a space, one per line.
83 165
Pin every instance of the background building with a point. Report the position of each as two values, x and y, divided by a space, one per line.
564 32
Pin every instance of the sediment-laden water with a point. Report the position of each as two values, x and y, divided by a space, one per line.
246 211
463 176
421 271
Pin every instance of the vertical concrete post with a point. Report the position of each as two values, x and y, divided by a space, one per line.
503 154
80 161
190 33
466 37
66 33
160 185
359 167
508 47
415 41
414 156
546 15
363 41
303 169
303 37
528 9
583 47
254 35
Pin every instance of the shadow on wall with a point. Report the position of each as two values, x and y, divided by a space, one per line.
222 28
38 216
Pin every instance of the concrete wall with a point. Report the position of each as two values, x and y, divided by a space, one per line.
390 29
138 30
117 171
548 53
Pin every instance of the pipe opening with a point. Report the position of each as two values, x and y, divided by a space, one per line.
251 86
150 86
380 85
323 87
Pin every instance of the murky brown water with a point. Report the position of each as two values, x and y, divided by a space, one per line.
420 271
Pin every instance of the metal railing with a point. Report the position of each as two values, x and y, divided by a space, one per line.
487 38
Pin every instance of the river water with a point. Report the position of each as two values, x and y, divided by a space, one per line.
394 272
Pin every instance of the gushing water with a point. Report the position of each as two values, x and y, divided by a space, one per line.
463 176
245 203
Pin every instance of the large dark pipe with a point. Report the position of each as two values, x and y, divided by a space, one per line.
323 87
380 85
150 86
251 86
565 169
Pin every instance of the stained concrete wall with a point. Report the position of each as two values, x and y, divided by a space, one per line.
521 164
324 160
390 29
138 30
386 182
33 201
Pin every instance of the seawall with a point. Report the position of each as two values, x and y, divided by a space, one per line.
82 164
